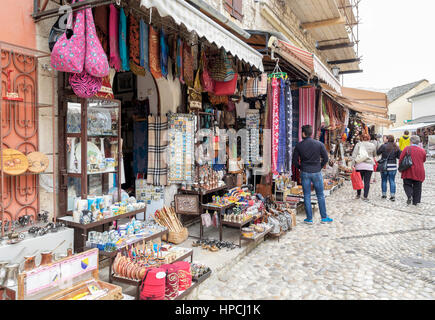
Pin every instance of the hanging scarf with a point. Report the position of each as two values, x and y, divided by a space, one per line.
180 60
101 26
289 125
154 53
123 50
282 129
188 66
144 45
275 124
115 60
307 108
134 41
164 54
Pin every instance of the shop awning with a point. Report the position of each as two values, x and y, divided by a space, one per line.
374 119
411 127
194 20
324 74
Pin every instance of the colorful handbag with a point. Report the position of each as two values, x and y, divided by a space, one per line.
68 53
84 85
195 96
225 88
221 68
215 100
96 63
206 81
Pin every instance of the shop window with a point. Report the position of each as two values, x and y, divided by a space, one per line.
235 8
393 117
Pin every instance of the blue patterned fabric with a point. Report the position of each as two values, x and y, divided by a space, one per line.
282 140
164 51
289 125
144 33
295 116
140 150
123 49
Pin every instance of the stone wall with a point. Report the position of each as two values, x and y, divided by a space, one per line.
272 15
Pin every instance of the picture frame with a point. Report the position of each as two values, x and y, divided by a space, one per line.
187 204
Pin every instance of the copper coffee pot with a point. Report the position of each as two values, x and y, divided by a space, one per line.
46 257
29 262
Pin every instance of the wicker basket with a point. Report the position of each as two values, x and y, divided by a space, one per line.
176 237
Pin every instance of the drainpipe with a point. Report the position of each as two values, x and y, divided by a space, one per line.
219 16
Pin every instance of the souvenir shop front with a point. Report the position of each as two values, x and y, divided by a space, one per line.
131 101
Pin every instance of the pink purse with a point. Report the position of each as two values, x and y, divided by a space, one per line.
68 53
206 81
96 63
225 88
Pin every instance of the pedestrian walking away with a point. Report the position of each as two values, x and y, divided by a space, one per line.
363 161
414 176
389 152
310 156
404 140
377 145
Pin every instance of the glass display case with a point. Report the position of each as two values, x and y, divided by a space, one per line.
91 152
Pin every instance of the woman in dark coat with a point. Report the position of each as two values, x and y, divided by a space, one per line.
390 152
414 176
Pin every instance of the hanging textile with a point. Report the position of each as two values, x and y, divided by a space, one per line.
289 125
164 53
144 33
154 53
181 130
307 108
275 124
101 26
140 148
115 60
123 49
295 116
282 128
179 68
253 132
188 66
325 113
157 143
134 42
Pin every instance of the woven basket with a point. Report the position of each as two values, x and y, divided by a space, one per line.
176 237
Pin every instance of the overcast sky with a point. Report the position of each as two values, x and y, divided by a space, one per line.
397 43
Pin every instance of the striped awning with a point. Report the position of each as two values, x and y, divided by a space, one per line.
295 55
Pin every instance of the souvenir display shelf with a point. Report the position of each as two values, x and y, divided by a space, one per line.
137 283
86 119
20 107
81 230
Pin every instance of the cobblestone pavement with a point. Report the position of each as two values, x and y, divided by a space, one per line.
373 250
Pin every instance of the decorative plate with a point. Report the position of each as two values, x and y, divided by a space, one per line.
14 162
94 154
38 162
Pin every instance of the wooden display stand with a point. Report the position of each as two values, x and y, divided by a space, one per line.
65 279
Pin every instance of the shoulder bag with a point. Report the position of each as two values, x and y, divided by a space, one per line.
362 154
383 163
406 162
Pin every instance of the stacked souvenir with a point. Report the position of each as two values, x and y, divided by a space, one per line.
97 208
208 178
254 230
124 235
198 270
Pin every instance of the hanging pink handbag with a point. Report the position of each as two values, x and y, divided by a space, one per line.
68 53
96 63
84 85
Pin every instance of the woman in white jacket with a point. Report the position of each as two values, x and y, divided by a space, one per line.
363 160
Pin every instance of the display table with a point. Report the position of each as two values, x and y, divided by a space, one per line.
81 230
31 244
137 283
112 255
202 194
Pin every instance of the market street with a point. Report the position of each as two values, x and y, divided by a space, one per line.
374 250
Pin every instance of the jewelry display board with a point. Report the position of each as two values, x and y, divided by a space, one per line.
253 128
181 131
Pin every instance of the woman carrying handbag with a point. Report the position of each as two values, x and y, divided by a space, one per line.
411 165
387 166
363 161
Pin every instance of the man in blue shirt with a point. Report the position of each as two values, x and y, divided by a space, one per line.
306 157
